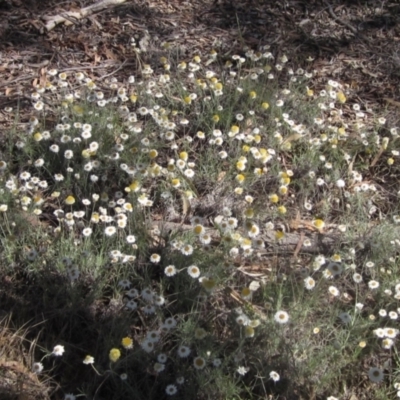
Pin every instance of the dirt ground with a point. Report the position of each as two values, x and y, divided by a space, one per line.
354 42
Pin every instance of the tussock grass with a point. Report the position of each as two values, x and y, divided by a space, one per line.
217 156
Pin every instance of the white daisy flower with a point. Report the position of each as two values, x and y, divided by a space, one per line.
193 271
58 350
183 351
274 376
281 317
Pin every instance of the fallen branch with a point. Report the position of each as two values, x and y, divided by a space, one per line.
290 243
69 16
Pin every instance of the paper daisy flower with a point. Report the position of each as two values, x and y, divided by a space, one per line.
131 305
390 332
387 343
153 337
110 230
147 346
70 200
246 293
193 271
127 342
334 291
183 351
274 376
281 317
124 283
242 370
155 258
170 323
88 360
162 358
149 309
114 355
373 284
319 224
170 390
187 250
170 270
309 283
37 367
58 350
249 331
199 362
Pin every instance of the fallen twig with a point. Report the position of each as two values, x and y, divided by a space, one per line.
21 78
69 16
113 72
